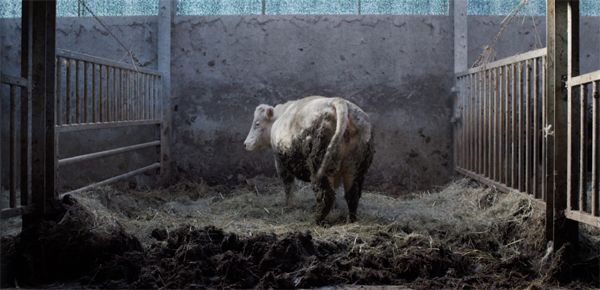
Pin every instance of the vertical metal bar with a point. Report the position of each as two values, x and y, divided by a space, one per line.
26 97
507 132
115 95
13 147
536 129
545 124
595 148
101 94
59 93
68 91
131 94
521 150
480 116
495 110
527 115
143 96
86 80
559 19
108 95
486 124
582 149
94 95
77 91
470 123
501 120
515 129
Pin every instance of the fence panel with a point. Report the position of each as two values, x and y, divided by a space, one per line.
500 118
583 169
96 93
15 86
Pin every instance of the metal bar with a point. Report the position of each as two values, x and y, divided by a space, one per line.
527 116
121 103
507 127
93 126
59 93
515 129
558 21
583 218
595 148
113 179
85 92
506 61
479 123
521 149
7 213
583 156
108 95
51 145
582 79
13 147
103 61
12 80
115 96
78 92
502 187
495 160
26 75
96 155
101 94
501 122
536 129
471 121
487 124
94 95
68 91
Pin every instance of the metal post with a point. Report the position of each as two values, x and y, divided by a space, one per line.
460 35
165 19
559 229
43 102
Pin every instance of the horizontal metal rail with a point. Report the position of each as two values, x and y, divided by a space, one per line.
113 179
7 213
103 61
96 155
107 125
502 187
506 61
12 80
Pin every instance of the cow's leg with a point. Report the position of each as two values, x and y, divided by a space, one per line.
288 183
352 193
325 198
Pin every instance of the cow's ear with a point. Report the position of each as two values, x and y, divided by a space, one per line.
270 112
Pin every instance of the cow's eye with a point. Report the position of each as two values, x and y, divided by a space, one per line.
256 124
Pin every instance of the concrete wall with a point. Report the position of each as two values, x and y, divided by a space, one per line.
399 69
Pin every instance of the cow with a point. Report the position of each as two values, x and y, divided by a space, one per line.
324 141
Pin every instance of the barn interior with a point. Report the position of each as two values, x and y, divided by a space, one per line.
188 207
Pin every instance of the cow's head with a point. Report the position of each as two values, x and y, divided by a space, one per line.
259 137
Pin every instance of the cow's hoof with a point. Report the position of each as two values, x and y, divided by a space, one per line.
323 223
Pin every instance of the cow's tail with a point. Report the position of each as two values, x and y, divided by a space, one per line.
341 111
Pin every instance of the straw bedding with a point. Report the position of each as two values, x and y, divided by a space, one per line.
191 235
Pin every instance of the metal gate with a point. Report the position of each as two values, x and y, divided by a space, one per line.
91 93
583 163
499 133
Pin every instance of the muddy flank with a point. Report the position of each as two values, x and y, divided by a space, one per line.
196 236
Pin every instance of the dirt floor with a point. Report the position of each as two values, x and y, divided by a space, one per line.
462 236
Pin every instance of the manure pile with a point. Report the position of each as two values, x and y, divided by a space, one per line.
464 235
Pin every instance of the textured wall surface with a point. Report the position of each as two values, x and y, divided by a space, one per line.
397 68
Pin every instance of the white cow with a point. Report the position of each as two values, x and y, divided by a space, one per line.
325 141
